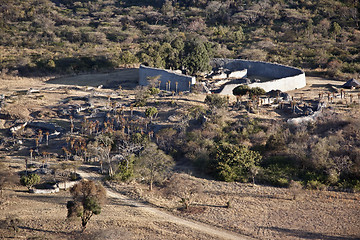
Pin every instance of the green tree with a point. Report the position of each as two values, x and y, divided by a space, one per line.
125 169
151 112
241 90
256 91
196 57
335 29
153 164
216 101
154 91
234 162
30 180
87 200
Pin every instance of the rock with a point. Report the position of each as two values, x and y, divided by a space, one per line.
16 128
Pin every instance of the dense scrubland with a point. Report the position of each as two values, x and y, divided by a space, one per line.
49 37
316 155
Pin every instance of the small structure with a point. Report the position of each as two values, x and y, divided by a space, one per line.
352 83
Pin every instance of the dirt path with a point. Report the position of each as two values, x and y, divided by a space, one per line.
201 227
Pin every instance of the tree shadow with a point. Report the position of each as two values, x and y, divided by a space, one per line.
46 231
253 195
328 86
117 202
55 199
210 205
308 235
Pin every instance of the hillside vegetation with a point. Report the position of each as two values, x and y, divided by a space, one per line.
65 36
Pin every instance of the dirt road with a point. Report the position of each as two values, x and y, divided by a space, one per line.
161 215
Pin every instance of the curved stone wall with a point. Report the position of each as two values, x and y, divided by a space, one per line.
285 78
165 76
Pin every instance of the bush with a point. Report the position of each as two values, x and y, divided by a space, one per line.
256 91
151 112
353 185
282 182
154 91
315 185
216 101
30 180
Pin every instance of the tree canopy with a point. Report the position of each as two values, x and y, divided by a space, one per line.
234 162
87 200
241 90
153 164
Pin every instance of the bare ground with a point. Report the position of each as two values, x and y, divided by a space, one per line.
265 212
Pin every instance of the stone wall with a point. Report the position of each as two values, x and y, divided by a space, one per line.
285 78
165 76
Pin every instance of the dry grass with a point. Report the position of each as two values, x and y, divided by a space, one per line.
268 212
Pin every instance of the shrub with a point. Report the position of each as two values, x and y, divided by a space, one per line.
125 170
352 185
315 184
282 182
151 112
154 91
185 188
216 101
30 180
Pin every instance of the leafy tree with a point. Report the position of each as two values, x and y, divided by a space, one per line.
151 112
241 90
196 57
127 57
216 101
256 91
87 200
30 180
234 162
125 169
154 91
153 164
